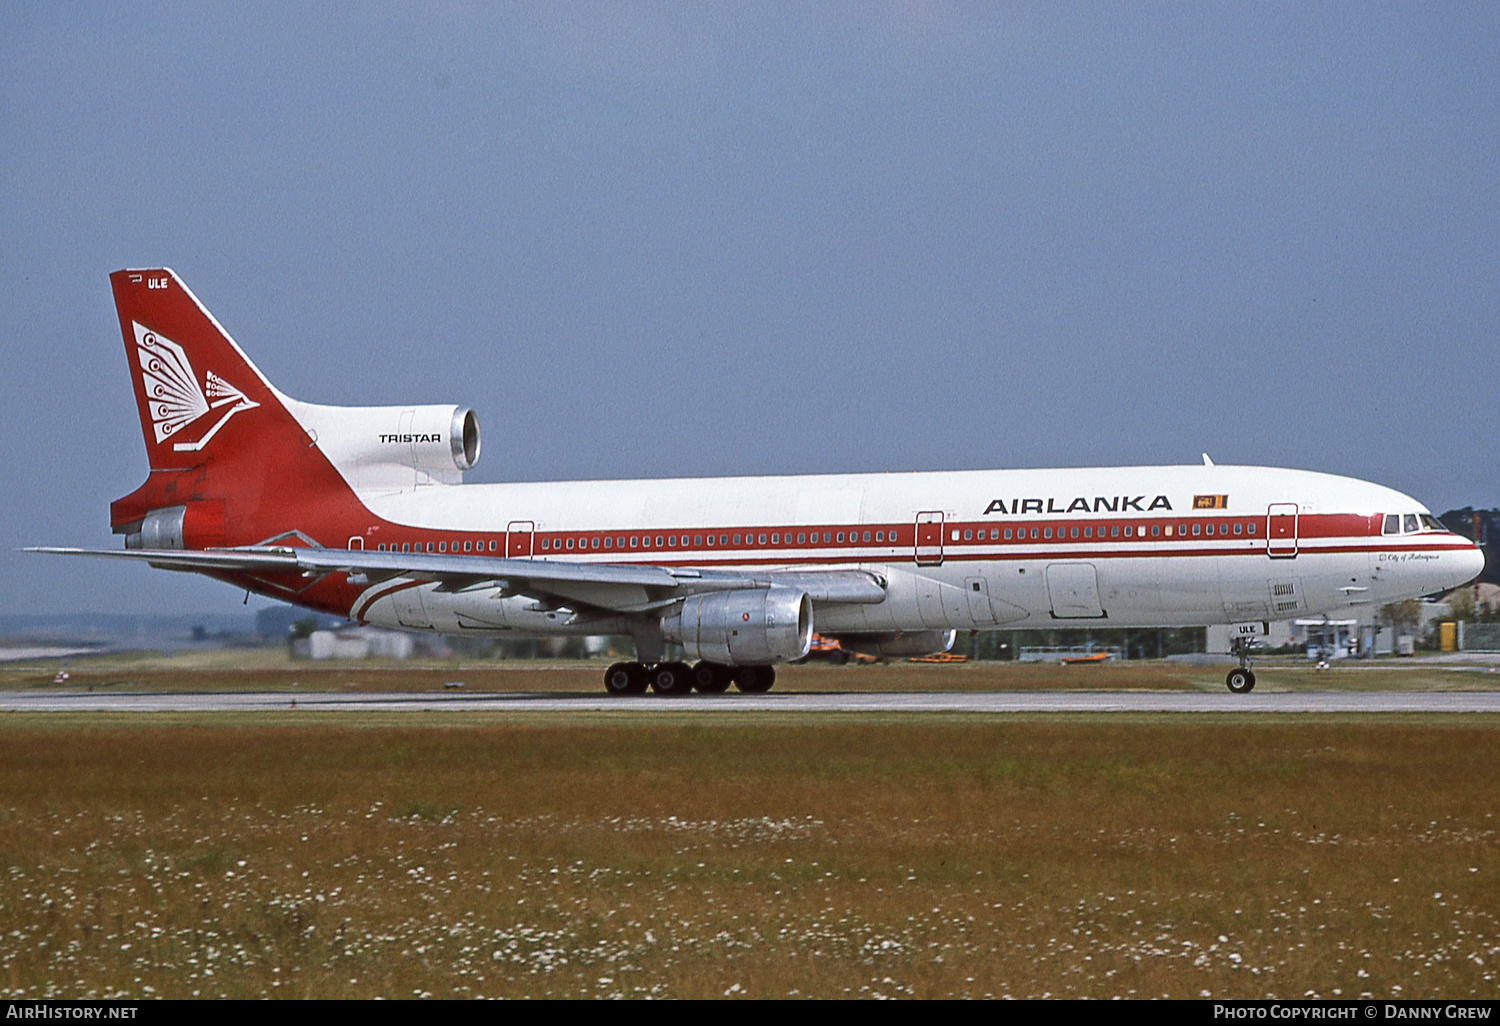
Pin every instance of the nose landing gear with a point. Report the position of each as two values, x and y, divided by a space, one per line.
1241 680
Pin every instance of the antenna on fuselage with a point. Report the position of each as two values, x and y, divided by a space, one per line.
1206 461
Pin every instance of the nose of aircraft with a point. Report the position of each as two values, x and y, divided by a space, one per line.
1468 564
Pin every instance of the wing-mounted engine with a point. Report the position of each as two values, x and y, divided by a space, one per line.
750 627
392 448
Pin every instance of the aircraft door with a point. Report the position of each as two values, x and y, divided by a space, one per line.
518 538
978 591
410 610
1281 530
929 547
1074 591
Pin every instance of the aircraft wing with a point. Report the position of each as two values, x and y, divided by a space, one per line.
621 588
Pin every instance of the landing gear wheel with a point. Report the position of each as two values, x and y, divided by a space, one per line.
672 679
754 680
711 678
1241 681
625 679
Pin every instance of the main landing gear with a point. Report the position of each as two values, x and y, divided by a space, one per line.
1241 680
674 679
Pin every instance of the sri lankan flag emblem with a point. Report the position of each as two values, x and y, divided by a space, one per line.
1210 502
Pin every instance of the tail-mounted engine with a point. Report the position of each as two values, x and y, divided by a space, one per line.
393 447
743 628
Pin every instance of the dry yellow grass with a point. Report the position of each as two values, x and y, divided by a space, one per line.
1093 857
271 670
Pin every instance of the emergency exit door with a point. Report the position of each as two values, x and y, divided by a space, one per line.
1281 530
518 539
929 549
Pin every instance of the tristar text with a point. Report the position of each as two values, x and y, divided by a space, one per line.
1118 504
408 439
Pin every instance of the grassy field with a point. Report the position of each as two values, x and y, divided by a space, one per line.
271 670
1098 856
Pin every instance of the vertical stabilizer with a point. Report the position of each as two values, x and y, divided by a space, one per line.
216 432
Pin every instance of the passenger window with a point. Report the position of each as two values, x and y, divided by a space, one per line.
1033 534
1410 523
698 540
736 539
594 544
406 546
1007 533
671 541
1073 533
1169 531
1250 528
710 541
841 536
775 539
968 535
1155 530
1047 533
1238 527
632 541
762 539
380 547
492 545
658 541
1114 532
608 542
827 537
570 543
1197 530
1127 530
723 539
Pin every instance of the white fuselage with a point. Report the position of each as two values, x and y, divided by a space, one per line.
972 550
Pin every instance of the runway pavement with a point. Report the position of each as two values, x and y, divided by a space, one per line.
785 702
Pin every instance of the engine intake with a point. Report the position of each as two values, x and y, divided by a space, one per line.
743 628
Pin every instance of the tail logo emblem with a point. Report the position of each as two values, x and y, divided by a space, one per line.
173 394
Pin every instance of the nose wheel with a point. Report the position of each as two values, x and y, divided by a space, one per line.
1241 680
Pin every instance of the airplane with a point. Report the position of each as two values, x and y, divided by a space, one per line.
362 512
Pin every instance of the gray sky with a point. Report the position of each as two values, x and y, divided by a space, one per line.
701 239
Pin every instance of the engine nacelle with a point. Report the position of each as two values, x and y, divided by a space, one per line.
743 628
899 644
393 447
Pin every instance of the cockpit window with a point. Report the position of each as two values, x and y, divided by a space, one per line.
1432 523
1393 523
1410 523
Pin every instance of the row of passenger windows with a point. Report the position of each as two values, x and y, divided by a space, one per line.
1224 528
442 546
699 541
968 534
671 541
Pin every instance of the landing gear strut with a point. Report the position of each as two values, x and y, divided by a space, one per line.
1241 680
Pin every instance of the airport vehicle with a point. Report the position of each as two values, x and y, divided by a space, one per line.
362 512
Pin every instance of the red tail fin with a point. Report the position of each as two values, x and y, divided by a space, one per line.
216 432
